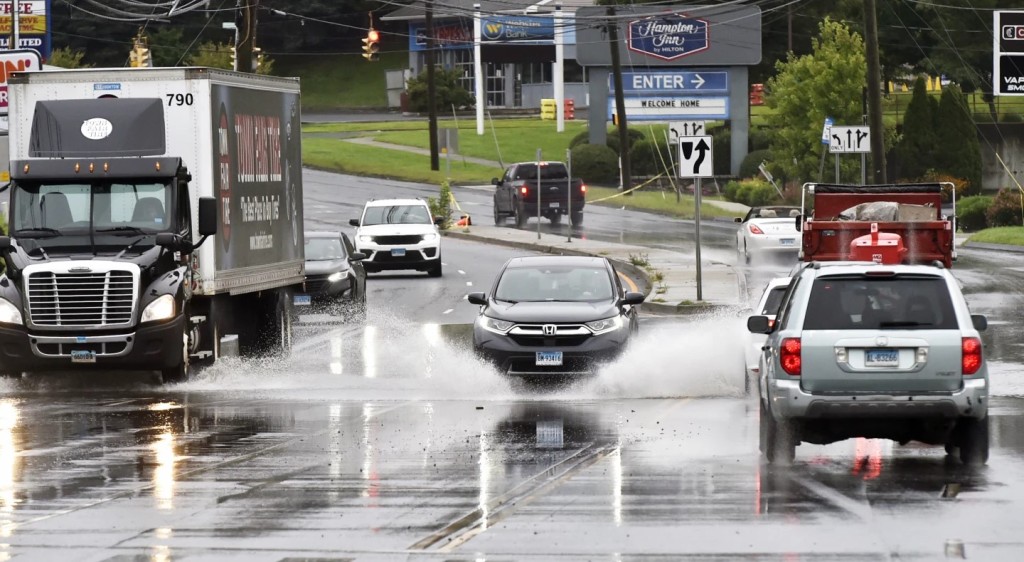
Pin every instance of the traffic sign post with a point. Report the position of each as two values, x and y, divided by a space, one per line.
850 140
1008 53
696 160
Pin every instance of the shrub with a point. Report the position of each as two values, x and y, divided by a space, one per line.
751 192
959 184
441 206
580 138
760 137
970 212
748 168
958 151
632 136
594 163
448 91
722 137
648 158
1012 118
1005 208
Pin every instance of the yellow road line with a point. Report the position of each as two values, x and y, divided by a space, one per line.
629 281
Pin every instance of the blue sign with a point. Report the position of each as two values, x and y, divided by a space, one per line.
826 131
448 35
680 81
668 37
520 29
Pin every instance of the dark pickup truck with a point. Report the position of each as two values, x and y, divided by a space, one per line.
518 194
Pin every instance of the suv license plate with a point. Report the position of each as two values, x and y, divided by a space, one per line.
549 358
554 205
398 252
302 300
83 356
881 357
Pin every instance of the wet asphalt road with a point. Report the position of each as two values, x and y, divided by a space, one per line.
388 441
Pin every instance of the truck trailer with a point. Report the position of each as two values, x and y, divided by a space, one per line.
155 213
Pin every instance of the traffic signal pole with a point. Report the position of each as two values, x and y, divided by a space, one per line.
245 34
874 92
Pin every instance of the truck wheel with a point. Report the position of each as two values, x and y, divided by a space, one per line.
973 441
556 218
183 370
520 214
576 218
498 219
436 270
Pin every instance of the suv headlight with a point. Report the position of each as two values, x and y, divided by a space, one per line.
365 238
9 314
430 237
497 326
160 309
606 325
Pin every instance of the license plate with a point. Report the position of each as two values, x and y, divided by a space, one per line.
302 300
549 358
398 252
83 356
881 358
553 205
787 241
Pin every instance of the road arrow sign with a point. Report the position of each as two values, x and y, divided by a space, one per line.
846 140
678 129
695 157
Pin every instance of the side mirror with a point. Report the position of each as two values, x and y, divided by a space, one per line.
357 256
799 222
354 222
633 298
5 244
438 221
495 181
759 325
979 320
737 219
168 240
207 216
477 298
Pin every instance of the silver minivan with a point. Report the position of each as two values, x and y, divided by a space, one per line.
870 350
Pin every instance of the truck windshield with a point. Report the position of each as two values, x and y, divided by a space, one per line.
67 208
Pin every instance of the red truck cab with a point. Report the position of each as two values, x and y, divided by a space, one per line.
896 223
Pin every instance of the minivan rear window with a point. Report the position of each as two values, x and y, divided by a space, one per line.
871 303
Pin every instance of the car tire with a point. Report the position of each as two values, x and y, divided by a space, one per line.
498 218
436 270
973 441
576 218
778 439
520 214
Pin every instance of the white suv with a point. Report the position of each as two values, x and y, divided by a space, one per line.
398 234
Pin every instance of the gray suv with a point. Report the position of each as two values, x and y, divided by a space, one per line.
870 350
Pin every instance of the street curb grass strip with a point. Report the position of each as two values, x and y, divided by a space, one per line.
621 193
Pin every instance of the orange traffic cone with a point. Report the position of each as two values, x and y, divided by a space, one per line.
464 221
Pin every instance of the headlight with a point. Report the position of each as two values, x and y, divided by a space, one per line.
497 326
335 277
9 314
606 325
160 309
365 238
430 237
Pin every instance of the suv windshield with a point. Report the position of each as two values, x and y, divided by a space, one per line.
70 207
323 249
565 283
396 214
864 303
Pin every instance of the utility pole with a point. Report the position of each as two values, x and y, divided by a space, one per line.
245 34
620 100
435 163
789 27
874 92
15 41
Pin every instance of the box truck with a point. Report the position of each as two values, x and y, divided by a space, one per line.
155 214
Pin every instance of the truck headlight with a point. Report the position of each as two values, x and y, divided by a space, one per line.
9 314
335 277
606 325
160 309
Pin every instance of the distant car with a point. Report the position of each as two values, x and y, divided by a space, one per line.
399 234
554 315
335 278
766 230
767 306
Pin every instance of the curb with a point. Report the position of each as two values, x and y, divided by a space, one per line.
993 247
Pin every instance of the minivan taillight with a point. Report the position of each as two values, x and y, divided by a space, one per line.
789 356
971 355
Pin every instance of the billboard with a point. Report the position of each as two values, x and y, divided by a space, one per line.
33 25
15 61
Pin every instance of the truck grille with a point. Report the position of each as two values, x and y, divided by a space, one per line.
81 299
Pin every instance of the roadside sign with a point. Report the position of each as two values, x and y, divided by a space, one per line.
678 129
673 81
1008 53
846 140
15 61
666 107
826 130
764 171
695 157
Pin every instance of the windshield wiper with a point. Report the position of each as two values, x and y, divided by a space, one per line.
123 230
38 231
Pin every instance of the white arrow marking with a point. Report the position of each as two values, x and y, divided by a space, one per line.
699 81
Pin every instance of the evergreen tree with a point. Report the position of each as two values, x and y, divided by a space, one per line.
917 148
958 149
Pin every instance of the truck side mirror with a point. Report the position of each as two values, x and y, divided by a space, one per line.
5 244
167 240
799 222
495 181
207 216
354 222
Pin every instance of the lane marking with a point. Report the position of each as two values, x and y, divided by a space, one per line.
462 272
448 311
469 283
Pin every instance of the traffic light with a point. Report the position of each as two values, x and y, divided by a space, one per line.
140 55
371 45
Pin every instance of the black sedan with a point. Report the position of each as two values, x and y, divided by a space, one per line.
554 315
335 278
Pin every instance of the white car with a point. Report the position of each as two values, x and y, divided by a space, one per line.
398 234
768 230
767 305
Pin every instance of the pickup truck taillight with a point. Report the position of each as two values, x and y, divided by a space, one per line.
754 229
524 190
583 188
971 355
789 356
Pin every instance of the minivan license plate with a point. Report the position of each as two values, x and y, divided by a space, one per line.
549 358
881 358
83 356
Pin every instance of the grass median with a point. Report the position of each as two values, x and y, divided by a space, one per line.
337 155
656 201
1010 235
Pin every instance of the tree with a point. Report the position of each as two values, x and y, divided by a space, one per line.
958 150
218 55
66 57
826 83
447 91
917 147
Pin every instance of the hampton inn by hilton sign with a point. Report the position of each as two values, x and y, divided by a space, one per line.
668 37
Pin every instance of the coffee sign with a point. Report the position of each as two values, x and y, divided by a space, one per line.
668 37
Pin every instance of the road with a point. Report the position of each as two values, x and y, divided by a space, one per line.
389 441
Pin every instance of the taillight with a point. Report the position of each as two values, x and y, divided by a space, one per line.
754 229
524 190
789 356
971 355
583 188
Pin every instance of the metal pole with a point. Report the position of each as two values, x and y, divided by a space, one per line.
478 72
16 24
431 88
837 167
874 92
538 194
568 189
697 195
863 168
558 70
